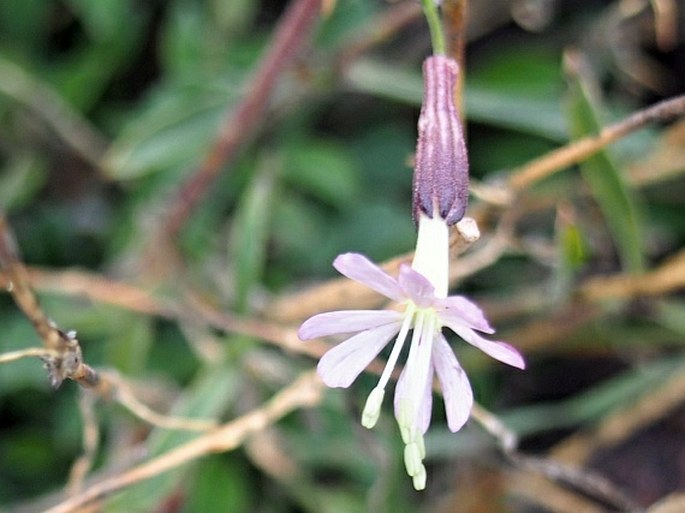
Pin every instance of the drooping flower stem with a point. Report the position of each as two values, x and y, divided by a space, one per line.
430 11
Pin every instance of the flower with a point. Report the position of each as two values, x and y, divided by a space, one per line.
440 197
421 291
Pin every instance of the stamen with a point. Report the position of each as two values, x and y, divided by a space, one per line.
419 479
412 459
404 420
372 408
419 361
399 343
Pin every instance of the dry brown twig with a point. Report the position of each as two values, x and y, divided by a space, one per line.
305 392
91 441
63 358
455 13
62 354
557 160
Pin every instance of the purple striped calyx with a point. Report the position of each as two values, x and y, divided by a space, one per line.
441 172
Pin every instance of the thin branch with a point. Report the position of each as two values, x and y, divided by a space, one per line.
455 15
507 439
291 34
665 23
589 483
305 392
91 441
65 359
123 394
668 277
62 354
542 167
39 352
564 465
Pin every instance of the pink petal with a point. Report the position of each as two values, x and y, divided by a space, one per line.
345 321
458 309
359 268
426 408
498 350
340 366
418 378
456 388
423 417
416 286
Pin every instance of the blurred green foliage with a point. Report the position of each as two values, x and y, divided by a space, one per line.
328 171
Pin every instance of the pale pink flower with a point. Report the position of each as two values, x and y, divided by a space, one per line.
425 312
440 196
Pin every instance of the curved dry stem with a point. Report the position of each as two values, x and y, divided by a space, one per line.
577 151
123 394
39 352
91 441
305 392
507 439
668 277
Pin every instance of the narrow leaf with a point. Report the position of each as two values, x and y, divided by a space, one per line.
607 184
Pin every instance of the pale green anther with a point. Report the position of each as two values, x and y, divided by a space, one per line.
412 459
372 408
404 421
419 479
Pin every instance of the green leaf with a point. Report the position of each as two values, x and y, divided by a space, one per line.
571 251
323 168
174 127
221 484
606 182
20 180
130 344
105 19
251 229
207 397
24 24
80 75
595 403
520 110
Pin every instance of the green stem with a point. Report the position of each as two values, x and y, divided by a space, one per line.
430 11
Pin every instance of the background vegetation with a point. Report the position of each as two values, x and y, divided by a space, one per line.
109 108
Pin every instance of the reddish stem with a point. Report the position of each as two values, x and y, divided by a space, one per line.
292 32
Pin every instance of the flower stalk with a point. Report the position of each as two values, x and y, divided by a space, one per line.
430 11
